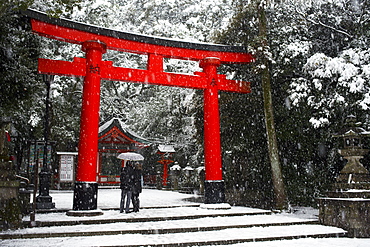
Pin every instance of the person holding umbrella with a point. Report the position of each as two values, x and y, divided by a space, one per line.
130 179
127 182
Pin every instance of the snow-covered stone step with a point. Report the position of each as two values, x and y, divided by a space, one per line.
159 227
225 236
153 214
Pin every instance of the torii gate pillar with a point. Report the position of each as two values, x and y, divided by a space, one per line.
86 186
214 189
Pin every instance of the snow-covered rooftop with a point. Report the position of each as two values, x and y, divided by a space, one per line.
124 128
166 149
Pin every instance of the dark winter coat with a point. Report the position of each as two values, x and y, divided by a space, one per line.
137 181
127 178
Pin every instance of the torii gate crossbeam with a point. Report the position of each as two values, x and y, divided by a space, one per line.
95 41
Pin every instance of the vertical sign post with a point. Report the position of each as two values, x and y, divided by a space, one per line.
67 166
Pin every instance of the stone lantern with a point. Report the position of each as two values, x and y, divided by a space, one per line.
187 186
348 204
175 174
353 175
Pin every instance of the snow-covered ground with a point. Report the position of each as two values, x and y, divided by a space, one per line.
110 198
154 203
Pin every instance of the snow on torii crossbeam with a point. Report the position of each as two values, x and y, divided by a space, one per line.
95 41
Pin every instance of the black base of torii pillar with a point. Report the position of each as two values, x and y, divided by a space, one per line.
214 192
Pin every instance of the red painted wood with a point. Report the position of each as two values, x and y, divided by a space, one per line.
165 162
212 140
78 37
153 76
155 63
89 124
165 175
76 68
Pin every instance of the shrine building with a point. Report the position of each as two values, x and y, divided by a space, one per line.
115 138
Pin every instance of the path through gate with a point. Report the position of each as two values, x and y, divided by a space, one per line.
94 42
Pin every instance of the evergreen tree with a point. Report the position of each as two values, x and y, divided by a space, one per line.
277 176
22 90
246 21
18 51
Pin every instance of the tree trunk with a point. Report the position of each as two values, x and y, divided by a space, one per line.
281 201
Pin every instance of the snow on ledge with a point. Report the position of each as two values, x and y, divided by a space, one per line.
85 213
215 206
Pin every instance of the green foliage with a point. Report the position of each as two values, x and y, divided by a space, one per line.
10 214
22 90
18 56
20 87
57 7
7 6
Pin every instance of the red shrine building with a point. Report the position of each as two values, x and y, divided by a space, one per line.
115 138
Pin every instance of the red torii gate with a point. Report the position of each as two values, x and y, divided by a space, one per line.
95 41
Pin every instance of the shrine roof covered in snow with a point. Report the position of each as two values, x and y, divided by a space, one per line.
166 149
115 131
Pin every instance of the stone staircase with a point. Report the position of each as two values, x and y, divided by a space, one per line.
176 226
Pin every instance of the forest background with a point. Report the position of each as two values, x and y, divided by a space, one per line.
319 62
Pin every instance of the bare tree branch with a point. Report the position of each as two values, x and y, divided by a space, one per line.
323 24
